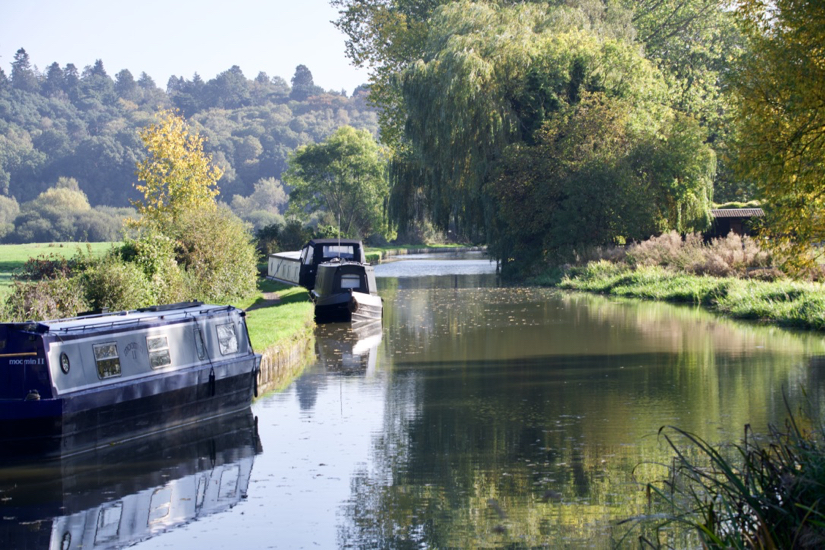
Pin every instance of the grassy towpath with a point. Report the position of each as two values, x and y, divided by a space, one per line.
277 314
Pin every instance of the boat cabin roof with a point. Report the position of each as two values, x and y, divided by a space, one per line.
100 321
355 242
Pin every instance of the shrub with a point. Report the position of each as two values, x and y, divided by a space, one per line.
218 254
154 253
49 266
733 255
278 237
117 285
45 299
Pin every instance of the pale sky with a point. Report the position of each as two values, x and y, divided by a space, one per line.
181 37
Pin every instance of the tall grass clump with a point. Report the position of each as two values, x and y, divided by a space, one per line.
734 255
765 492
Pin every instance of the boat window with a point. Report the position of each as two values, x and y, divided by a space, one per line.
199 345
228 487
108 362
227 339
158 351
350 281
201 494
339 250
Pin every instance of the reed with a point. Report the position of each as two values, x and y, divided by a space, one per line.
765 492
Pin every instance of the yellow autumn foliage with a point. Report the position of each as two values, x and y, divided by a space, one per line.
782 113
177 176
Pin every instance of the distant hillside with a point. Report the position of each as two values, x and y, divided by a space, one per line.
82 124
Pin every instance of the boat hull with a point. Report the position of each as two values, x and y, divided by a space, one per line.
72 385
348 306
85 420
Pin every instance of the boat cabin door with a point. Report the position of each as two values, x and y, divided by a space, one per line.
308 267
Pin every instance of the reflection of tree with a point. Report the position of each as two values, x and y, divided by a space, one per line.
535 413
306 387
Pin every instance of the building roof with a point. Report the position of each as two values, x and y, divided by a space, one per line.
737 213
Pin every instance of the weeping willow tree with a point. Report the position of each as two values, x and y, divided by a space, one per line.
492 76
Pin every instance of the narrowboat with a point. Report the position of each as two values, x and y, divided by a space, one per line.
301 267
335 271
346 291
70 385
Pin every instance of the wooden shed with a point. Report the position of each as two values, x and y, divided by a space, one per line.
738 220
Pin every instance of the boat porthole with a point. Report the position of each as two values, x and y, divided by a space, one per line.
64 363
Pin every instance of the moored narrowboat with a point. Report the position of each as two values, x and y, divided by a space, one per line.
70 385
346 291
301 267
335 271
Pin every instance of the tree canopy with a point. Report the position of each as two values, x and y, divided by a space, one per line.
782 111
344 177
177 175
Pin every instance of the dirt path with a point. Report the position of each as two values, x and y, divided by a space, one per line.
270 299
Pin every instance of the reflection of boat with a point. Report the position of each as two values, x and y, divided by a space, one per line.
72 384
119 495
342 285
349 349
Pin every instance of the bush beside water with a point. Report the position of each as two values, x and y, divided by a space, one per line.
209 257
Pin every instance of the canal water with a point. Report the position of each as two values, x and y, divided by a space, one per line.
477 415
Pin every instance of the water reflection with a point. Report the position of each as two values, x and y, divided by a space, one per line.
489 416
536 411
119 495
349 348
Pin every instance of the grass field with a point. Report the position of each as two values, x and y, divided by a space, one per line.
13 256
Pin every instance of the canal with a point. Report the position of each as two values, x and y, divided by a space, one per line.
478 415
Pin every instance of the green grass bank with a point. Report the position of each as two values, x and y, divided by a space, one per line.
280 318
277 314
13 256
786 303
281 322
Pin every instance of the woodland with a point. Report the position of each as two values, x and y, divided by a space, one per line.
69 141
540 128
548 127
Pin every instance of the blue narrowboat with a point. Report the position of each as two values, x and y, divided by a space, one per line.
69 385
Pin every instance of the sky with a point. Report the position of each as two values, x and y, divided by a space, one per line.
181 37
